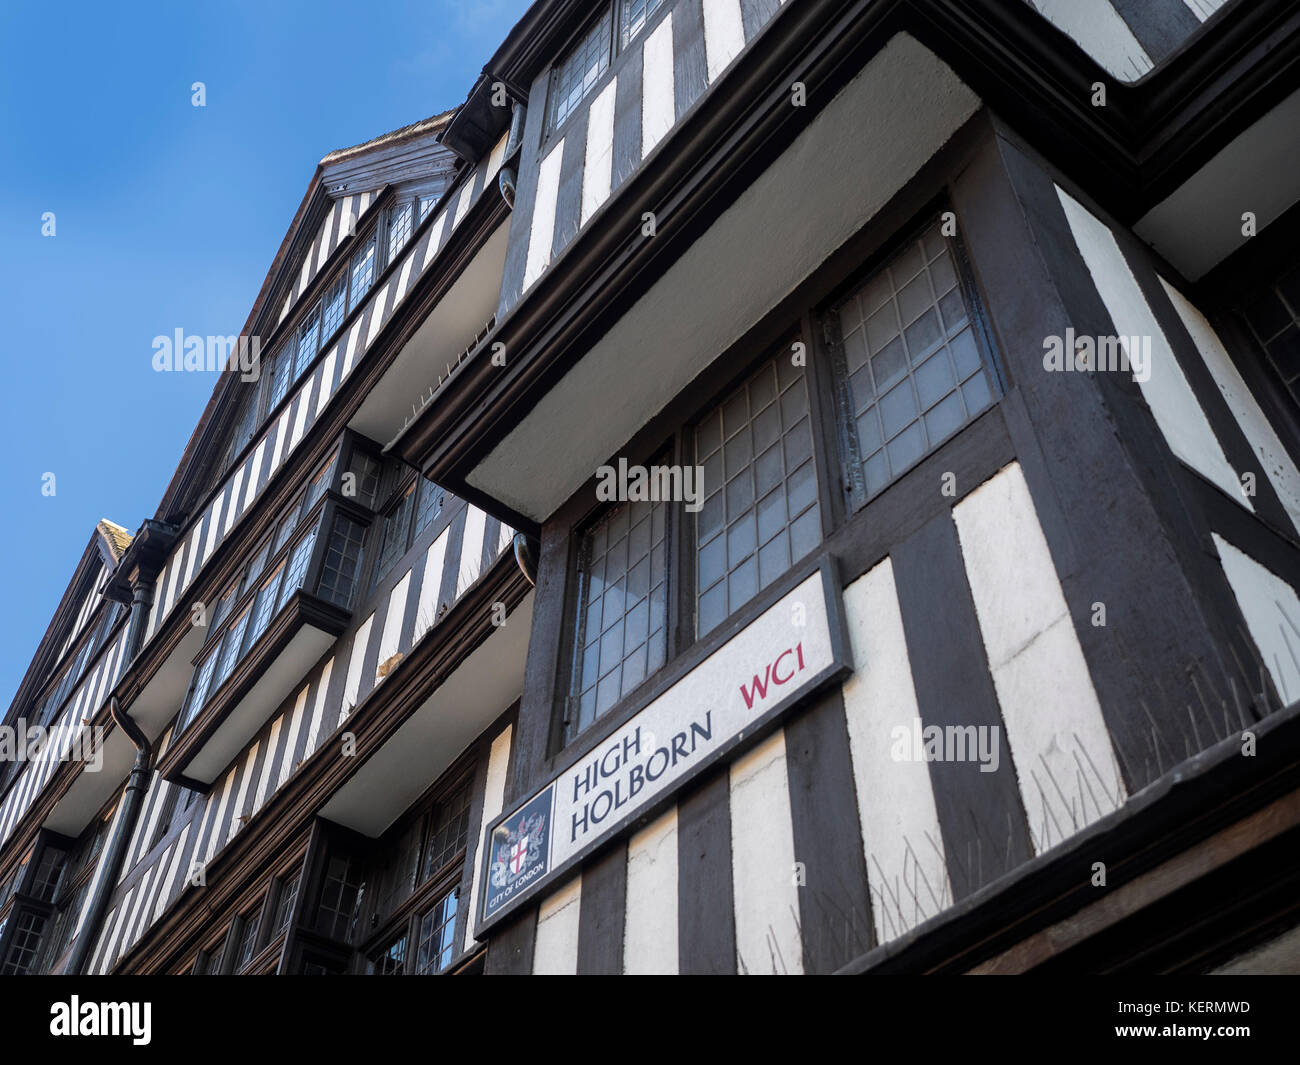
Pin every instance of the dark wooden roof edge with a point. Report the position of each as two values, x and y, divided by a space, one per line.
45 657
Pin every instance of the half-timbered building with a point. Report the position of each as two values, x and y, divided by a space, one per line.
757 487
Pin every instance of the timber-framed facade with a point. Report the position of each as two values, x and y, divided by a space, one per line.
953 626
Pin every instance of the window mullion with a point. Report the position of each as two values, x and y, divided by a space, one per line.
678 549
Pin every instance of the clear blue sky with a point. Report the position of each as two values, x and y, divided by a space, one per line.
167 216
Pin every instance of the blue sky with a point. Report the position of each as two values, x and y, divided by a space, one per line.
167 216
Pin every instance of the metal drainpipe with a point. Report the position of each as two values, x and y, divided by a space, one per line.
507 177
137 784
526 557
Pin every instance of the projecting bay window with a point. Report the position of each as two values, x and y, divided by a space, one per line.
412 893
389 907
310 582
292 597
35 905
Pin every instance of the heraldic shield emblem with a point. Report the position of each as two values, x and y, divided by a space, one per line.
519 852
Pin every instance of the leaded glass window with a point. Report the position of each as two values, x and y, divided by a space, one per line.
437 944
579 71
915 372
342 559
362 273
760 512
447 831
621 634
335 305
308 338
632 17
299 557
399 228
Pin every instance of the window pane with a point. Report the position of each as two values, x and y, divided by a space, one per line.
915 373
620 634
633 15
580 70
254 568
25 944
364 483
248 940
297 568
245 427
391 875
399 228
335 304
362 273
342 559
284 905
321 481
308 338
396 526
263 607
429 506
280 376
48 874
437 932
765 484
223 607
201 686
447 831
230 647
287 525
391 961
338 899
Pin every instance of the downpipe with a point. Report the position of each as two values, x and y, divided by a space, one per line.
507 177
110 871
